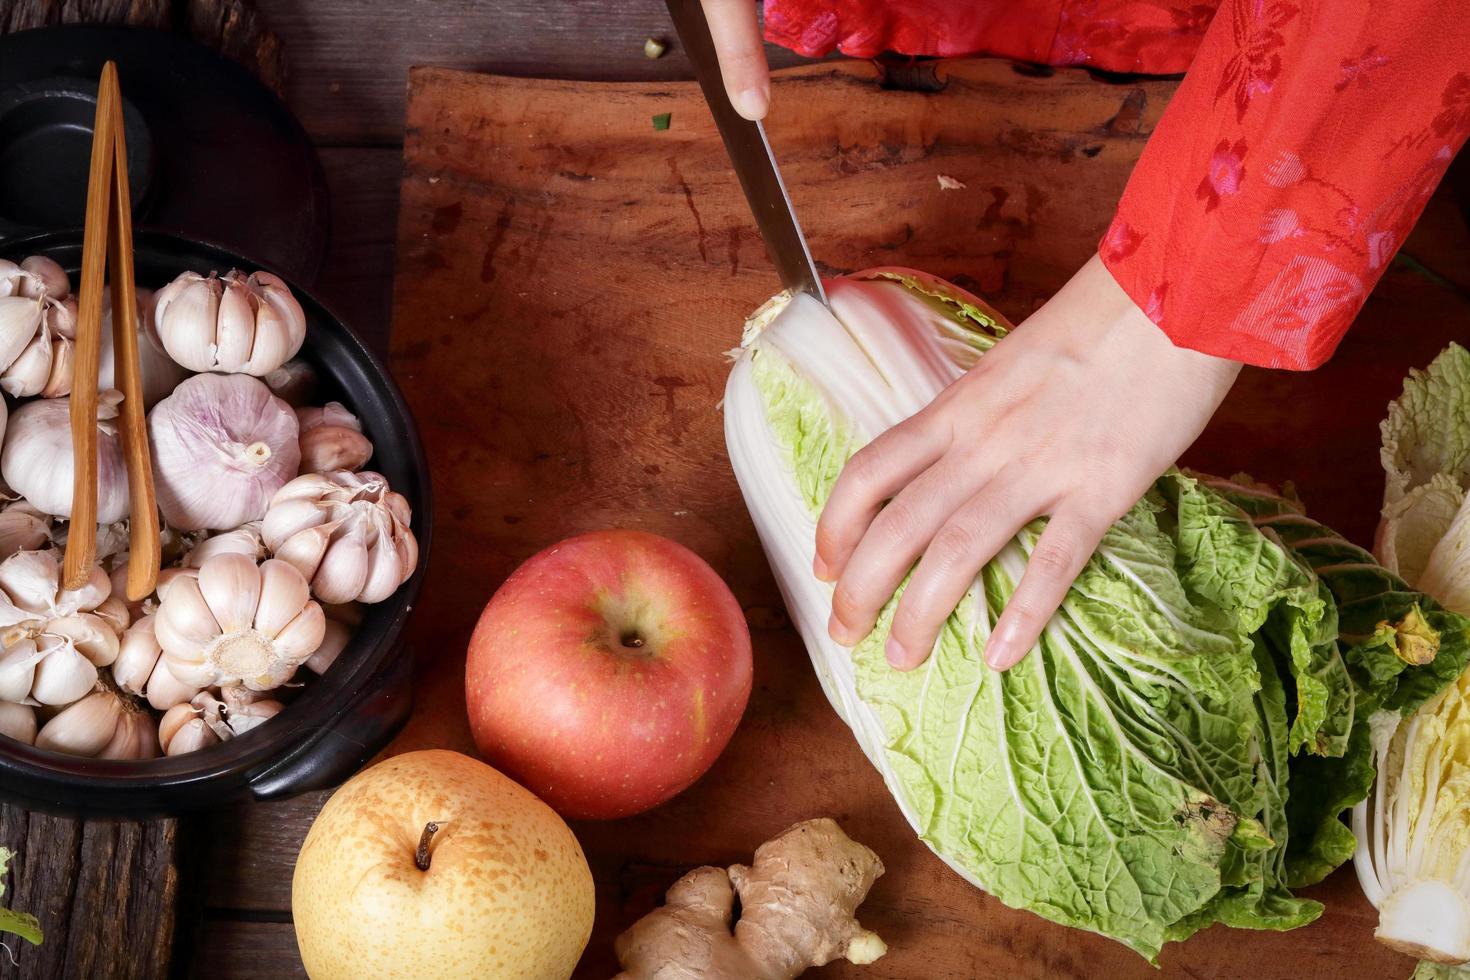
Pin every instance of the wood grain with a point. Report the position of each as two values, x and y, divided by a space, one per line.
105 894
350 58
568 280
357 275
247 950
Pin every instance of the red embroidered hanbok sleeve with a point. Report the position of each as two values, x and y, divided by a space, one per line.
1293 160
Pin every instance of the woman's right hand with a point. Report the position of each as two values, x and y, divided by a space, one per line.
737 35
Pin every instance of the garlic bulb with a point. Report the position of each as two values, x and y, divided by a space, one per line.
37 458
331 439
237 324
243 540
293 382
44 277
161 373
102 725
239 623
348 533
51 640
222 446
18 721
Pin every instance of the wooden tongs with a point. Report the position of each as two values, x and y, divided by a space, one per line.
107 245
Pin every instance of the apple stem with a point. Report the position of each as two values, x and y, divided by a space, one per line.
421 856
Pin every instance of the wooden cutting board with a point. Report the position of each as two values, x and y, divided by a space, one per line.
569 279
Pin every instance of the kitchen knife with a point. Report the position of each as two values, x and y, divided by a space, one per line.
750 153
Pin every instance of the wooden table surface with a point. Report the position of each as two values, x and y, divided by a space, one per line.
347 67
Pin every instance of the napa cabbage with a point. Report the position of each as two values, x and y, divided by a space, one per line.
1137 774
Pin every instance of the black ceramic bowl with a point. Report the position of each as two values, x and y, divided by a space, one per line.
339 720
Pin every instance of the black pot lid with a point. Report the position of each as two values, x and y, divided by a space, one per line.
212 153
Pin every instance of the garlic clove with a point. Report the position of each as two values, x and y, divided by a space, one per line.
334 640
244 540
18 669
184 614
331 447
47 278
21 530
135 737
137 657
28 373
63 674
305 550
192 736
20 319
235 331
288 517
18 721
63 358
85 728
344 568
91 635
168 576
280 324
114 610
230 586
284 593
303 635
166 689
185 313
61 318
174 719
12 277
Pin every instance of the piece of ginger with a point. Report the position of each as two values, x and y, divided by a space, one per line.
797 900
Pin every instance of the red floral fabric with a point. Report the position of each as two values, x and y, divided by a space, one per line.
1300 149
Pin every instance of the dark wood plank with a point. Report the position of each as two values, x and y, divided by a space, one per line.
104 892
235 950
357 276
350 58
250 852
608 267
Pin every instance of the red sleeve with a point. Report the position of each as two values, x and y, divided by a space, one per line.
1296 155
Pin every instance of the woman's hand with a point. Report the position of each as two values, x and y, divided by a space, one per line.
737 36
1072 417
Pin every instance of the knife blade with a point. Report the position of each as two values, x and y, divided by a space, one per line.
750 154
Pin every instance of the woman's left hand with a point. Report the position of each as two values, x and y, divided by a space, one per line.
1073 416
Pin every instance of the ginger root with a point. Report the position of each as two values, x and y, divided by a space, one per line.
797 900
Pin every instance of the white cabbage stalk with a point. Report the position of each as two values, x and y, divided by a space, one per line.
1413 856
920 352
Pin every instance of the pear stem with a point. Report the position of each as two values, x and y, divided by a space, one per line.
421 856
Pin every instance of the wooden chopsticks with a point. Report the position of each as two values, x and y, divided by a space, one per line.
107 244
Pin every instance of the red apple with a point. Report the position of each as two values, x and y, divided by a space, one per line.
608 673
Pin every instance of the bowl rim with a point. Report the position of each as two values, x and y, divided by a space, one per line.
326 698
